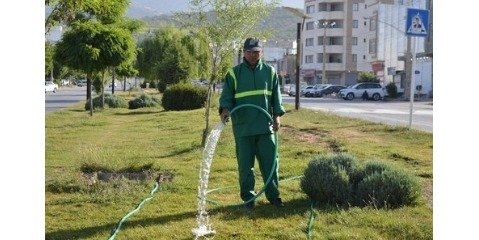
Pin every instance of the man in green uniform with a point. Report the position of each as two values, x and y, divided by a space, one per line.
254 82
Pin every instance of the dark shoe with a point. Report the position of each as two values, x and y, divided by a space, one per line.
249 205
278 203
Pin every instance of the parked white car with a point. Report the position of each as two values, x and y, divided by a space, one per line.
51 86
373 91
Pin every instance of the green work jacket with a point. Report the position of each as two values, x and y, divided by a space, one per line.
258 86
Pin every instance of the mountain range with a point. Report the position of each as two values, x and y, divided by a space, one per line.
150 8
156 12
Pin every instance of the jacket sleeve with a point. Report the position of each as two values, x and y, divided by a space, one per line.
227 95
277 104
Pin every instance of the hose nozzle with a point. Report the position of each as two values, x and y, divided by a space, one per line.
225 120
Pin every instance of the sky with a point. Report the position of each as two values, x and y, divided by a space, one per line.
455 119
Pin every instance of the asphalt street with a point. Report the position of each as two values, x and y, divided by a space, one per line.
392 112
396 112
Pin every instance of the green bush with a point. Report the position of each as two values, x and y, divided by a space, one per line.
367 77
326 179
144 101
336 179
387 187
361 173
184 97
161 87
392 90
111 101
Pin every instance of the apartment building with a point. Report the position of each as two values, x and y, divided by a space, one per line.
343 38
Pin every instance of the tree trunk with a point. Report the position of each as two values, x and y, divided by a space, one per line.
102 89
206 130
113 81
88 93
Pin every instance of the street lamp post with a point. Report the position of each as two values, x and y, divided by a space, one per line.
325 24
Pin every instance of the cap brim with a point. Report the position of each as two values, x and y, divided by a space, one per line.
256 49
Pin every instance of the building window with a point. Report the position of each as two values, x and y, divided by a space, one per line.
309 25
320 40
364 57
372 46
372 23
355 41
336 7
309 42
355 23
335 40
355 58
400 2
355 7
364 40
322 7
319 58
310 9
308 59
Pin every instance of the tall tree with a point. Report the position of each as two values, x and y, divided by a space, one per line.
49 65
93 47
170 56
126 70
67 12
108 12
225 24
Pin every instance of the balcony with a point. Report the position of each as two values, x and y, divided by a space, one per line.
332 15
335 66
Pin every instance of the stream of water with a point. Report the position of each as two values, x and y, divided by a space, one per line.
203 227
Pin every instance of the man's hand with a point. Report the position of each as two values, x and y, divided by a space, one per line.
276 123
224 115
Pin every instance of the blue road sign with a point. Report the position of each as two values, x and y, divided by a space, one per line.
417 22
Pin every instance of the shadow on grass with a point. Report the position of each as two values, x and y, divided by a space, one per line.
139 112
231 212
262 210
177 153
77 110
89 232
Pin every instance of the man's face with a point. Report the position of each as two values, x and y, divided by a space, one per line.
252 56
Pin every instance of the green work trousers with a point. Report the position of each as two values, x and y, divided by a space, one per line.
263 147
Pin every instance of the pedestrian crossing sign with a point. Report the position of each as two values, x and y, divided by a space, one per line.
417 22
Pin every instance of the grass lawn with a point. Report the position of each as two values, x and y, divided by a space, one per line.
99 168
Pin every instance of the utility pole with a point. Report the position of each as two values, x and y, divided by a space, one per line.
301 14
408 68
298 62
326 24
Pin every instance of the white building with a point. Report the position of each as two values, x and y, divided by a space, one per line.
359 36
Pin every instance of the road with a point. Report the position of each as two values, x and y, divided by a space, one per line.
387 112
67 96
64 97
